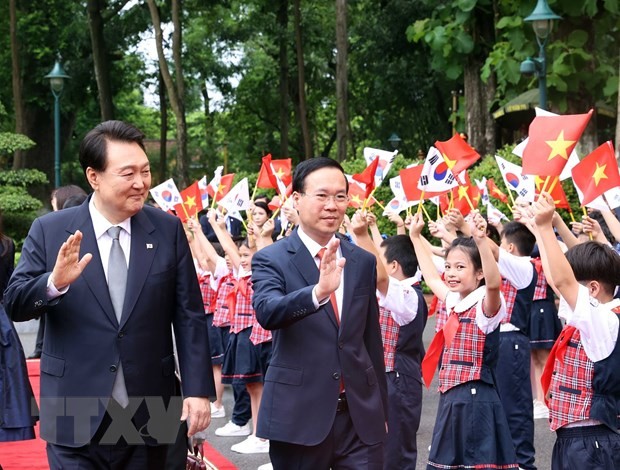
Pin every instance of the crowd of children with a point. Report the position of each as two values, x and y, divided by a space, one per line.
497 328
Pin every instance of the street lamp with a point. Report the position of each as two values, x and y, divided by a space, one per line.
57 82
394 140
542 22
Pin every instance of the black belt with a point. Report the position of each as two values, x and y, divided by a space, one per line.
342 403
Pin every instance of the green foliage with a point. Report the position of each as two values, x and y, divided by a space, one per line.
18 209
23 178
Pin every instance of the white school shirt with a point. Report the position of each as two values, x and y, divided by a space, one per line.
518 271
486 324
401 299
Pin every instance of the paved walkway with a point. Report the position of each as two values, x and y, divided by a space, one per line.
544 438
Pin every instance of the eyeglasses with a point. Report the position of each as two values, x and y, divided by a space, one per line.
340 198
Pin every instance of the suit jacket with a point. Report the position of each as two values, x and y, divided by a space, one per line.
311 352
83 340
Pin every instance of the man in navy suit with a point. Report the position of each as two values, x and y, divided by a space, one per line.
107 366
324 404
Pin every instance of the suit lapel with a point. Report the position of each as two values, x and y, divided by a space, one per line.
143 249
350 272
93 273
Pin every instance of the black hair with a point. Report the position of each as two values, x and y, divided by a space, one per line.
520 236
217 246
400 248
493 233
262 196
310 166
63 193
73 201
594 261
596 215
93 149
264 207
468 246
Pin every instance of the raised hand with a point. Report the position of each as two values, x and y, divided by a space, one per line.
544 209
478 226
330 271
416 224
359 223
68 265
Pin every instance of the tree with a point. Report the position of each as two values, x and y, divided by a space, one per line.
342 85
302 112
175 87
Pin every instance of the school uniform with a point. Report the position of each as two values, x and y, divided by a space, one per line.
512 372
241 358
402 318
582 385
209 296
545 326
226 283
471 428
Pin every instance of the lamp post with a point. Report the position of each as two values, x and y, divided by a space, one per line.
57 82
542 22
394 140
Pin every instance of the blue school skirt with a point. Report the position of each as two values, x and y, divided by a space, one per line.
218 339
586 447
471 430
545 326
242 361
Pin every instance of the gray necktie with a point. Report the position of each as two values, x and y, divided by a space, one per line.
117 284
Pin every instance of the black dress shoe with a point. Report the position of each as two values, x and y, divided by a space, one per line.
34 355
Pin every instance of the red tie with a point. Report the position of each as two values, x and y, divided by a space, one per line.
442 338
332 296
557 352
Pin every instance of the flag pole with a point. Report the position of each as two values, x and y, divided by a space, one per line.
368 199
554 182
572 216
585 215
420 202
380 205
426 213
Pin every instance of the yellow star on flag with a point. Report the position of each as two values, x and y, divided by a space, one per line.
220 188
449 162
279 173
355 199
190 202
463 192
599 173
559 147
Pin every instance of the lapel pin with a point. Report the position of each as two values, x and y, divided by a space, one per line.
149 246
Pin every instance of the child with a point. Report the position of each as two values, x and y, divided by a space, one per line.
582 378
512 372
471 430
244 363
402 317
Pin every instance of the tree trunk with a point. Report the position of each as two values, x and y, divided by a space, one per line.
480 123
301 82
163 129
342 112
209 128
283 61
100 59
19 161
176 100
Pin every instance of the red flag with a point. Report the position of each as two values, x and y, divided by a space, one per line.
409 178
461 193
191 202
495 192
367 177
551 140
597 173
357 196
558 194
225 184
457 154
266 177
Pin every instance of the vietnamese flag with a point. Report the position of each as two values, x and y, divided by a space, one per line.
357 196
367 177
266 177
224 186
191 202
597 173
550 142
495 192
409 178
559 196
461 193
457 154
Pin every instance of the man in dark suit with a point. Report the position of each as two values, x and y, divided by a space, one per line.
324 404
112 276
